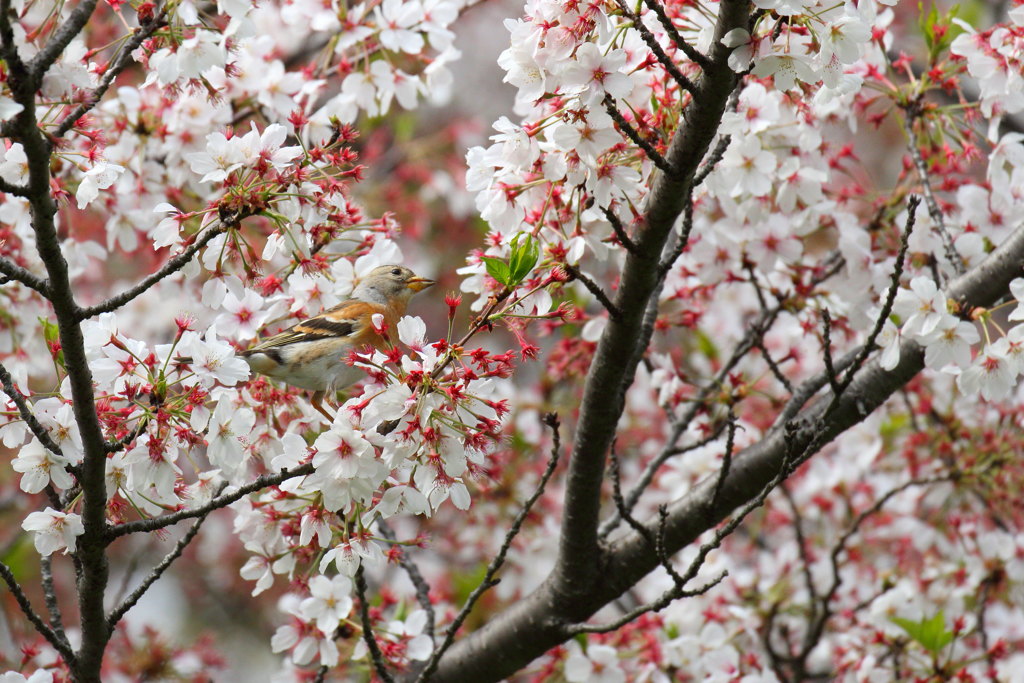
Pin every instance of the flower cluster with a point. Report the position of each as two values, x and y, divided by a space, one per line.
220 154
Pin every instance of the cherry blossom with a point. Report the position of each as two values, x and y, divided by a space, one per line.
53 530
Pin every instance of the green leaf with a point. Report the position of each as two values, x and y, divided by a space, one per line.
51 333
931 634
497 269
525 254
706 345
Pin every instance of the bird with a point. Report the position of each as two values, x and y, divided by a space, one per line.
311 354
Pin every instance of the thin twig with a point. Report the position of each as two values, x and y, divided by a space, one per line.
114 68
890 297
488 582
913 112
801 539
683 240
416 577
712 160
619 229
25 410
262 482
773 366
822 612
26 607
695 55
594 289
172 266
130 601
620 504
50 596
653 154
379 664
755 330
826 351
656 542
730 445
715 155
136 432
665 599
666 62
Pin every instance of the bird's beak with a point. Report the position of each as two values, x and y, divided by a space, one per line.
418 284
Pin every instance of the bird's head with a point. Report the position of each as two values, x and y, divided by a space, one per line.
385 284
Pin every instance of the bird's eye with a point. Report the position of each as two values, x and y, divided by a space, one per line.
396 271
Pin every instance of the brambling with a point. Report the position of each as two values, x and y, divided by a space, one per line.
311 354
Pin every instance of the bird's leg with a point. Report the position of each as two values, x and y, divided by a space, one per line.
317 402
332 399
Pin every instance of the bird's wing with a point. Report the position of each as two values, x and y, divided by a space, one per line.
349 320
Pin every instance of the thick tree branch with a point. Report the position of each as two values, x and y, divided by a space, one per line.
752 468
500 647
604 390
92 562
537 622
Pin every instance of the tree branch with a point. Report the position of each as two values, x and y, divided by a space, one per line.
952 255
50 596
18 274
536 623
663 59
60 39
489 581
26 607
691 52
8 48
619 229
119 63
220 501
130 601
416 577
173 265
653 154
593 288
25 410
762 462
607 379
376 656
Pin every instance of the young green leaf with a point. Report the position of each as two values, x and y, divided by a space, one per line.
525 254
498 270
931 634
